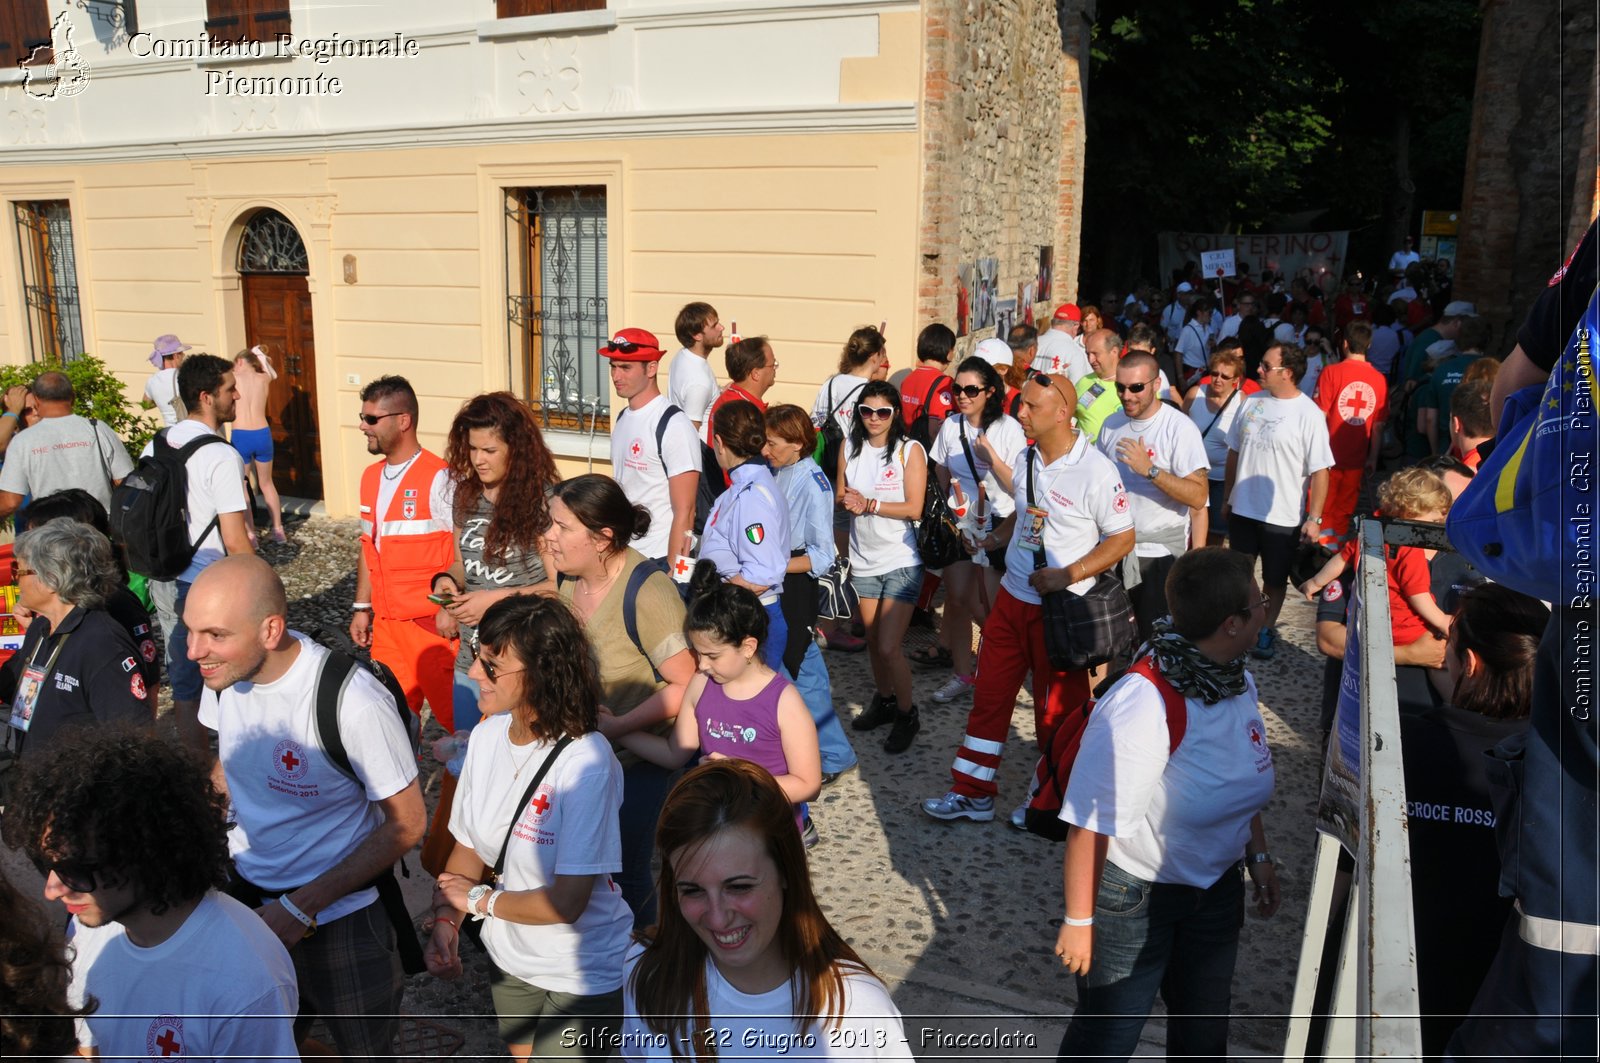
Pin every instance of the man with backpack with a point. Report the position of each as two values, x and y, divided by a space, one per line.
655 451
61 450
925 399
188 475
323 783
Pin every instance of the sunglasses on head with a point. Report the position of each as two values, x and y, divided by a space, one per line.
374 418
1135 388
1043 379
77 875
623 346
971 391
490 669
874 411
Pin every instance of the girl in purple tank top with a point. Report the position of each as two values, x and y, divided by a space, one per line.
737 706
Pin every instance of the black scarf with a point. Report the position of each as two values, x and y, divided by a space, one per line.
1191 672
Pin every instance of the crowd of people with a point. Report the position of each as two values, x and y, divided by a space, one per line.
583 640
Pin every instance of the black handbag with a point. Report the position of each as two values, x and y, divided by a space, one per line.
938 538
1083 631
836 595
471 927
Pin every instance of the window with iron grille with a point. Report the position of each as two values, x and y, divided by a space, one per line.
556 263
49 279
519 8
24 26
261 21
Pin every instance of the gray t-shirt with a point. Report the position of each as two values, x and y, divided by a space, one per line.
62 452
518 570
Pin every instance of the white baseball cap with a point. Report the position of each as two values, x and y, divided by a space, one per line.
997 351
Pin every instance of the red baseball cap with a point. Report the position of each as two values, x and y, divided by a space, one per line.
1068 312
632 345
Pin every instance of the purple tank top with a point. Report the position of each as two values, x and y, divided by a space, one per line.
744 729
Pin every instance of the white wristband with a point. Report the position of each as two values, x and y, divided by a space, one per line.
290 907
361 605
1069 921
488 908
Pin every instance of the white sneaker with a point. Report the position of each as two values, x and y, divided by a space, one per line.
1019 817
957 687
959 806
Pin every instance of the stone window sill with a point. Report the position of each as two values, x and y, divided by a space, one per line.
512 29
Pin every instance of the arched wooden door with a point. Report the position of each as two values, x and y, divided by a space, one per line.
277 315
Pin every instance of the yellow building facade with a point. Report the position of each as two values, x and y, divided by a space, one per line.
479 214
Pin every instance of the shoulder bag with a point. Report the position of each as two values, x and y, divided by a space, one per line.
938 538
1083 631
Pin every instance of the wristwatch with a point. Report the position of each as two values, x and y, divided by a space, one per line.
1263 857
1152 474
474 895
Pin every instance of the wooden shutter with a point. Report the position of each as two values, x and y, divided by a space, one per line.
519 8
24 25
247 20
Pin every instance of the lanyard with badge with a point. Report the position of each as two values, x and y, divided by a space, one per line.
1033 525
31 683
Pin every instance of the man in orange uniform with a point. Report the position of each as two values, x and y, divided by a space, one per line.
407 548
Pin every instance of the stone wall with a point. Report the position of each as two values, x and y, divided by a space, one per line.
1003 136
1531 174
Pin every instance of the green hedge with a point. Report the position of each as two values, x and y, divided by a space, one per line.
99 395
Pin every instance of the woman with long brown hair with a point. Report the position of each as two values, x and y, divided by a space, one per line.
742 954
503 474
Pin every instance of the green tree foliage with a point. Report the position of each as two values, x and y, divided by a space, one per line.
1238 114
98 394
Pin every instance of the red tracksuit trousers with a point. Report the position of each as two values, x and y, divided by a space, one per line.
1013 645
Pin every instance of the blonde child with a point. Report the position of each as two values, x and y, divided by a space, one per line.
1417 494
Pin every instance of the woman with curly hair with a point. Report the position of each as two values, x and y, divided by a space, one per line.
538 838
503 473
35 1018
132 838
743 955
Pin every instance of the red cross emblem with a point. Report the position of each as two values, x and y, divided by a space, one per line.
1355 399
1255 736
635 449
289 760
541 801
166 1035
888 474
681 566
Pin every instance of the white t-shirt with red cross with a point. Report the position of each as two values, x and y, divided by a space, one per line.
297 814
569 827
880 544
1171 441
1084 501
1006 438
642 470
1182 817
1060 353
221 986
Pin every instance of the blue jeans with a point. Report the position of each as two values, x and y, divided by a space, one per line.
1179 940
644 791
777 637
817 692
182 673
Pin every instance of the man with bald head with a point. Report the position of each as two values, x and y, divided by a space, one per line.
1071 523
313 840
61 450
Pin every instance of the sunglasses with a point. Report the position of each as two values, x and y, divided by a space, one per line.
874 411
374 418
1223 377
17 571
77 875
1135 388
971 391
626 347
1044 380
490 669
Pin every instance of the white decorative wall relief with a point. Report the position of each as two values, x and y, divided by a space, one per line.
550 77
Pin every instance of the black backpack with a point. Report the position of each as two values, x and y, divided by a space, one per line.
921 428
830 437
150 509
711 484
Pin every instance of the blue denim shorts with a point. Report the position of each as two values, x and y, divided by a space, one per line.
900 584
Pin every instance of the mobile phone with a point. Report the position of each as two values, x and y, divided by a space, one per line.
442 599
